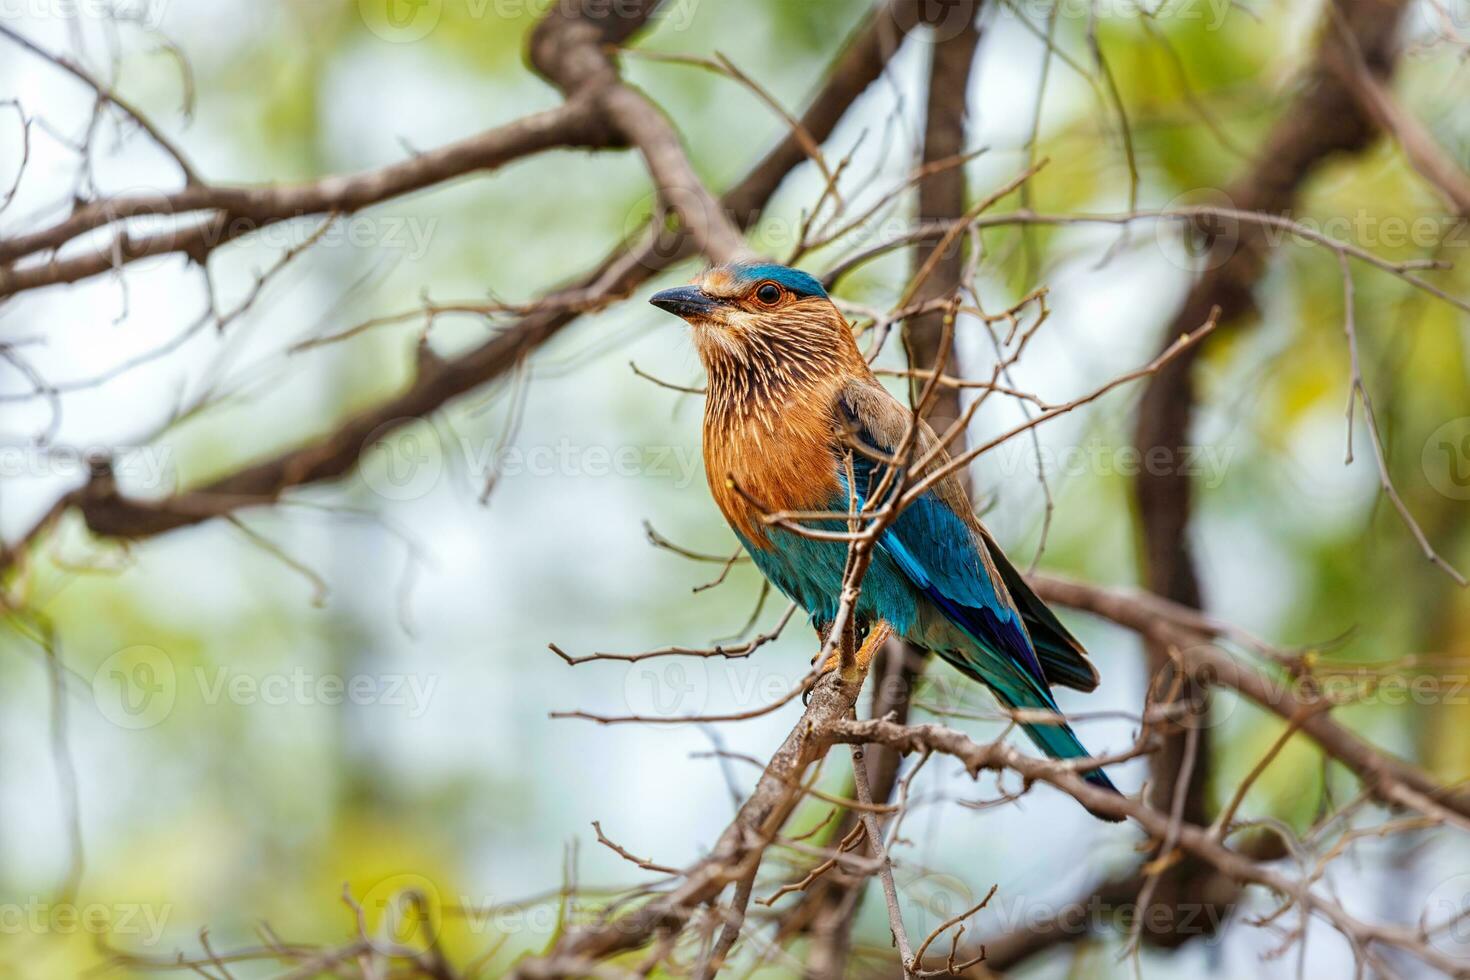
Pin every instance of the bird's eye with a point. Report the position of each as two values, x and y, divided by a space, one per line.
768 293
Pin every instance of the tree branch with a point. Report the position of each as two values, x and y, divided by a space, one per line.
1324 120
631 264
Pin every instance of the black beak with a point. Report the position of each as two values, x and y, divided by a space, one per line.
688 302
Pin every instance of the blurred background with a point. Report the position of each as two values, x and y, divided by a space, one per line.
355 686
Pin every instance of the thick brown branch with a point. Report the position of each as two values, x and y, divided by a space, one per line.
1190 641
569 47
1324 120
242 210
679 188
1197 841
632 264
1424 153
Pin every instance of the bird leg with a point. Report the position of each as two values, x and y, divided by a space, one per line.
873 637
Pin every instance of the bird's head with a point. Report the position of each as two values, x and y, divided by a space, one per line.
759 324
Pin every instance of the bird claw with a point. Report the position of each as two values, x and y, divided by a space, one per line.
872 643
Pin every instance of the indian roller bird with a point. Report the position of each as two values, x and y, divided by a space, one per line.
792 409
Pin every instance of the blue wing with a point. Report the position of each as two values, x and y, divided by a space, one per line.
941 553
953 564
938 553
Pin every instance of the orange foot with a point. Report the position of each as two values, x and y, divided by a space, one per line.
878 634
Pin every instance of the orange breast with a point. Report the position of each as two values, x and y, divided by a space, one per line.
778 454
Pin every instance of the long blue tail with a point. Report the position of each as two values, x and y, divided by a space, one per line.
1058 741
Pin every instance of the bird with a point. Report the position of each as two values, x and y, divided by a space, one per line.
792 411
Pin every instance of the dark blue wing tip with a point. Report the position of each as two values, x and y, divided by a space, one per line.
1100 779
1004 627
